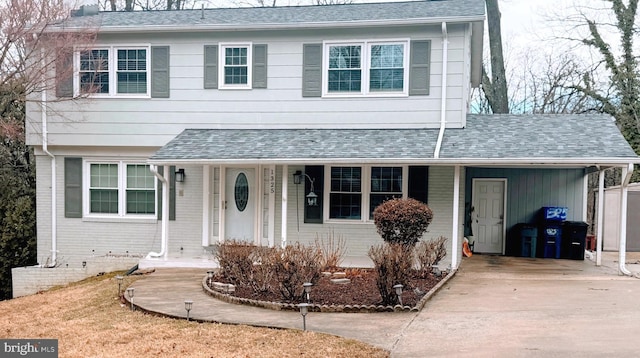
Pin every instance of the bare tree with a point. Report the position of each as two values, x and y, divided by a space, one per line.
495 88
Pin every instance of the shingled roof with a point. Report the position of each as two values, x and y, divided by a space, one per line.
289 16
507 139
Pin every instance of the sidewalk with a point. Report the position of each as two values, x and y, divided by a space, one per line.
493 306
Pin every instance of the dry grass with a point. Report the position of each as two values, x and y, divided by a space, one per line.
89 321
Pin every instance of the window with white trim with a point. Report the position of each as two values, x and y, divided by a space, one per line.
366 68
113 71
356 191
117 188
235 69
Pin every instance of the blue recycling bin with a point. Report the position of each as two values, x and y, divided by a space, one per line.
551 239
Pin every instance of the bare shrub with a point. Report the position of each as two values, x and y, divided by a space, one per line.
393 264
297 264
429 253
332 249
236 261
262 272
402 221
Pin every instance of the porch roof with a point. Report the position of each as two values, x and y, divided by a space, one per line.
567 140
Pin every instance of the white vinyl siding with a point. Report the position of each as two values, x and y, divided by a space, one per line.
152 123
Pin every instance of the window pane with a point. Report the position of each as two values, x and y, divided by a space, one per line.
132 82
141 202
139 177
386 183
103 201
104 176
387 68
94 71
344 69
345 206
236 69
345 201
235 75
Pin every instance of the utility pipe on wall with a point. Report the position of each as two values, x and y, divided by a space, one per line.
165 213
443 97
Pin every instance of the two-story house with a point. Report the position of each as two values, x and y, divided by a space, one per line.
279 125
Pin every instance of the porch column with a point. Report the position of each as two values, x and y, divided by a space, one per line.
600 218
206 205
456 214
285 192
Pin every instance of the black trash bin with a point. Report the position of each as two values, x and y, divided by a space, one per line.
574 234
526 240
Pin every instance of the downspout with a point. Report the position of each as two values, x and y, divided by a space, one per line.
443 97
45 149
165 213
622 251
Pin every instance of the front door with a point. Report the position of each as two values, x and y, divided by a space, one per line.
240 204
488 215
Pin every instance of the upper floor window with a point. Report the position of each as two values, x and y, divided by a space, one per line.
236 66
113 71
366 68
120 189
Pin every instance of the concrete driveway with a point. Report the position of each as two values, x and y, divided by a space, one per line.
499 306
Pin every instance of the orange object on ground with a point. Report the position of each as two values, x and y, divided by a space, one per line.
466 251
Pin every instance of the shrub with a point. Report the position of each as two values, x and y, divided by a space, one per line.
332 249
393 264
429 253
297 264
402 221
236 261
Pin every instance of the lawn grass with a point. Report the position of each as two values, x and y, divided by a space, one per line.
89 320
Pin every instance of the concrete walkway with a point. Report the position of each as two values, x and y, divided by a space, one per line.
494 306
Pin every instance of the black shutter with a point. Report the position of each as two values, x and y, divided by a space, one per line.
313 214
72 187
172 193
419 183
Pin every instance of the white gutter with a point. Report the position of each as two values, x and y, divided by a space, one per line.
45 149
622 252
543 162
165 213
443 96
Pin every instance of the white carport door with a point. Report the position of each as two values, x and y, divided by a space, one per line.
488 215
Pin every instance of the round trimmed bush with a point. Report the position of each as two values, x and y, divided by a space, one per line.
402 221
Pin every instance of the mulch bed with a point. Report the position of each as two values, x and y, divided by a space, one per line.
361 290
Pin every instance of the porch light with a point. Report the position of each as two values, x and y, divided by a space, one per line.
304 309
398 289
180 175
119 278
188 304
130 293
307 290
312 198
